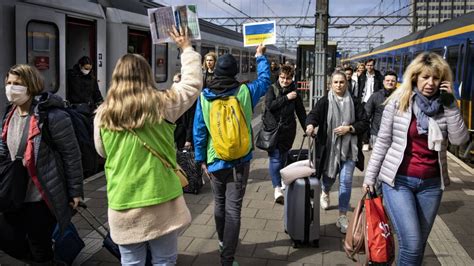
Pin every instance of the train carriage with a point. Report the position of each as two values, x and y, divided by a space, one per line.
453 39
53 35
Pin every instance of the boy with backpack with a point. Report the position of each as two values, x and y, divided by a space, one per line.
223 142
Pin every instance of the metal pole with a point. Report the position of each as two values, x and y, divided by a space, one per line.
320 47
414 27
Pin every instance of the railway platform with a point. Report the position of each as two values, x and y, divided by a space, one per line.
262 237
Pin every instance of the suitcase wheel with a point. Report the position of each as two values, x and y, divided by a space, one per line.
315 243
296 244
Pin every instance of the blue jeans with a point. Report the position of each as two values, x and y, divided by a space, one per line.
164 251
276 162
345 184
412 205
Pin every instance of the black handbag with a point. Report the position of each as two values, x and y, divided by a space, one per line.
14 177
267 139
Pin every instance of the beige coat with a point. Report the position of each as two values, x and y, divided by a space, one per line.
143 224
389 149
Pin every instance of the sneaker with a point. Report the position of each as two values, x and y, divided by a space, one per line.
365 147
283 186
279 198
324 200
221 246
342 223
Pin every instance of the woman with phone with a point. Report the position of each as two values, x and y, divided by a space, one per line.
409 157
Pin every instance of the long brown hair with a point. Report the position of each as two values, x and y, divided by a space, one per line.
132 98
429 61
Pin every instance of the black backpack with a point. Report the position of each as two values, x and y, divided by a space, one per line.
83 129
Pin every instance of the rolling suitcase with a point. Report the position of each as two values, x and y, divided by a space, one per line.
301 211
185 159
297 155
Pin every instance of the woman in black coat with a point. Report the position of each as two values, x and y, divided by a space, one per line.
281 104
53 168
82 88
341 122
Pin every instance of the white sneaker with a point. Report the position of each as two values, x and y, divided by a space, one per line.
283 186
342 223
324 200
279 198
365 147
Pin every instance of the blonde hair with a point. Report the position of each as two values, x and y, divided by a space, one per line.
211 54
132 98
427 61
30 76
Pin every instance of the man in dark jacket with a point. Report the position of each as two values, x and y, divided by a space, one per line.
374 106
281 104
274 72
369 82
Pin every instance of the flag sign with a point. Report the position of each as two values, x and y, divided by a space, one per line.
259 32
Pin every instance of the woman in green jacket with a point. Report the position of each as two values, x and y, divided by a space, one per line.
145 202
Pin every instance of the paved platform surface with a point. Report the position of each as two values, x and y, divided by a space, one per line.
262 237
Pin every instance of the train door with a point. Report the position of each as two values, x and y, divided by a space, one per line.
39 33
466 91
50 40
80 41
139 42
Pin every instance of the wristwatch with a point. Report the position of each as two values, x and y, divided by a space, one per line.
351 129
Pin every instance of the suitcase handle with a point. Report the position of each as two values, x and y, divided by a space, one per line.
82 205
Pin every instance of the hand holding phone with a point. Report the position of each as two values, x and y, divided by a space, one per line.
446 93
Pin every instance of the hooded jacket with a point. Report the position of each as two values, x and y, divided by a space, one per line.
57 173
257 89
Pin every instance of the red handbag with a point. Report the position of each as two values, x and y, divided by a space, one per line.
381 246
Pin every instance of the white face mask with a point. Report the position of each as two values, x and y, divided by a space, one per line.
85 71
17 94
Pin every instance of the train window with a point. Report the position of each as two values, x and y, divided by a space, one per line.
207 49
383 64
223 51
452 58
236 54
406 62
161 62
245 62
438 51
396 64
43 51
389 63
139 42
253 65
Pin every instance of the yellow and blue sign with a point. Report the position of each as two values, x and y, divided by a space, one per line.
259 32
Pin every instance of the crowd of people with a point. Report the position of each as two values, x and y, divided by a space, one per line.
138 128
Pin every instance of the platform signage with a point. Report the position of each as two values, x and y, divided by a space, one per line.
259 32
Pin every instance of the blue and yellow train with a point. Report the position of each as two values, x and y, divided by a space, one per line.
453 39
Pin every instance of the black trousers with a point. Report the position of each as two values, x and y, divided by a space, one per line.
27 234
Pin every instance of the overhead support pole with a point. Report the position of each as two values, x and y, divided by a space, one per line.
320 47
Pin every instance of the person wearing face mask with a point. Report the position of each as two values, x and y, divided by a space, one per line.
410 157
82 88
281 104
341 122
55 179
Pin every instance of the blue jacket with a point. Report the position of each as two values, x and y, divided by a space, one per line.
257 89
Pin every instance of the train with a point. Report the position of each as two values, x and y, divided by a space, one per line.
53 35
452 39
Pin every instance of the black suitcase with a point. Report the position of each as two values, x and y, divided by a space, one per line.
297 155
185 159
301 211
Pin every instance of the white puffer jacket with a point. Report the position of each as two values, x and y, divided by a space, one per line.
389 149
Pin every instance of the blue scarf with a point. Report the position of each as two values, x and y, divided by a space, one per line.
426 108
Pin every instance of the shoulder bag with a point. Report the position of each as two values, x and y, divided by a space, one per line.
177 170
14 176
